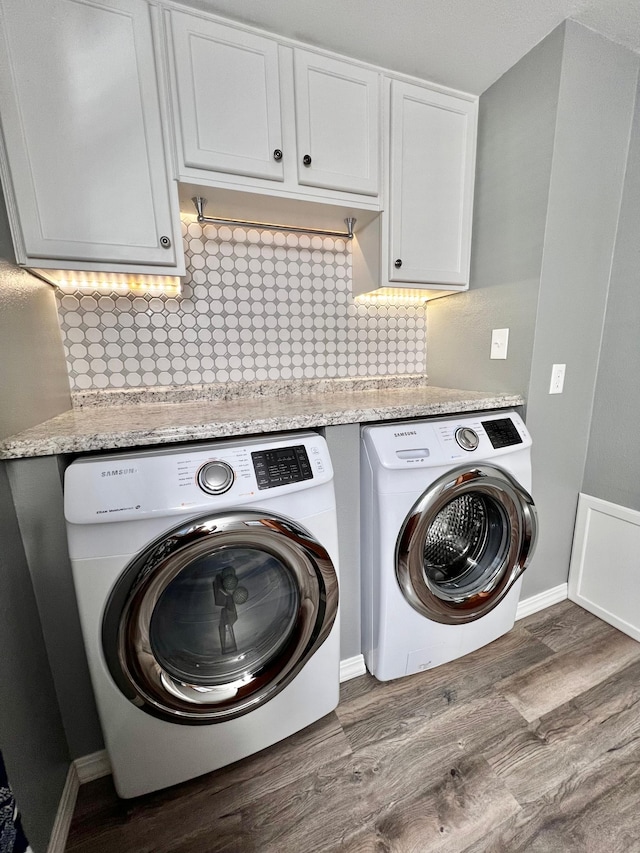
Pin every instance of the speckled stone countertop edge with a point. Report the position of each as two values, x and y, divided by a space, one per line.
216 391
77 432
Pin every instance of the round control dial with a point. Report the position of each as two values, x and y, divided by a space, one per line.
216 478
467 438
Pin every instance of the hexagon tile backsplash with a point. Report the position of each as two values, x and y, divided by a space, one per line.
254 305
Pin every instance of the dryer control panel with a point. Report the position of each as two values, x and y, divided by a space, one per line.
444 441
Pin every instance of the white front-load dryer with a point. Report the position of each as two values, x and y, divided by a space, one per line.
448 527
207 586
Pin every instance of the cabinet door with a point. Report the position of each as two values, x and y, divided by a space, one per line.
433 139
85 163
228 95
337 124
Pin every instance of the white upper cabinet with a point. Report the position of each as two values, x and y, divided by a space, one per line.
432 168
337 124
89 105
228 89
83 164
253 113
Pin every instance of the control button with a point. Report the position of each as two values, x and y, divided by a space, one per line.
467 438
215 478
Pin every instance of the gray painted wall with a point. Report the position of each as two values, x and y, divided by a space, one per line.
516 128
36 485
33 388
33 372
613 462
595 111
344 447
31 733
563 226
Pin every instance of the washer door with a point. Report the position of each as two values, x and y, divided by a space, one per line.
465 543
218 615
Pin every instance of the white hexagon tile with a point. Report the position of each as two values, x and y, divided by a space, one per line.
255 305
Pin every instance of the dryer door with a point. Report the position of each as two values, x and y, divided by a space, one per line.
217 616
465 543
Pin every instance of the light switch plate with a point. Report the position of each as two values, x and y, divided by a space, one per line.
557 378
499 343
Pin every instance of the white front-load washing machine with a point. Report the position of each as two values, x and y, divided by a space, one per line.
207 586
448 527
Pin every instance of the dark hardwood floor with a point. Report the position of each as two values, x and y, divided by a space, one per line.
529 744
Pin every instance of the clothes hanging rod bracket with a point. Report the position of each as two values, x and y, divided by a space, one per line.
200 203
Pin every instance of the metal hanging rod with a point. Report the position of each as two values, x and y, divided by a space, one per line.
200 203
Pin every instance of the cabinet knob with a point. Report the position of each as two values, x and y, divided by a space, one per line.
165 242
307 159
397 263
277 154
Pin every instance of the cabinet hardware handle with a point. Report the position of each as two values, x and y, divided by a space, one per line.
277 154
398 263
307 159
165 242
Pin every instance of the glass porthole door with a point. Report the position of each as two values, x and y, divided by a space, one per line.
219 615
464 544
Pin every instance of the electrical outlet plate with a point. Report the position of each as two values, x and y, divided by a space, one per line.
557 378
499 343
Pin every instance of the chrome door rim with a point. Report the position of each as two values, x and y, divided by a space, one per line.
127 620
520 512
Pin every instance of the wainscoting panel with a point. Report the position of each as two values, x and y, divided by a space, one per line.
605 563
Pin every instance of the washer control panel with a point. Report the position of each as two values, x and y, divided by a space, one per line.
119 487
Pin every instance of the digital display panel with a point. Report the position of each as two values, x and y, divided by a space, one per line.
502 433
281 466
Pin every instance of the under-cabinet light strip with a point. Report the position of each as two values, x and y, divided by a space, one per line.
200 203
392 296
71 281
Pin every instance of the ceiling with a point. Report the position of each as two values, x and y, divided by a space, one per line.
465 44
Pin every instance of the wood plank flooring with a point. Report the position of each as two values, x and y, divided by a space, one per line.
529 744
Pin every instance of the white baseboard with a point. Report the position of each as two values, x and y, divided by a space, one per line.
352 668
543 599
67 804
84 769
92 766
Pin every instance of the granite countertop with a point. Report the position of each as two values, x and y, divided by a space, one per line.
120 419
